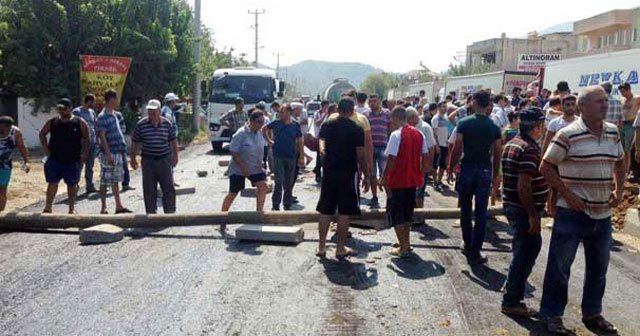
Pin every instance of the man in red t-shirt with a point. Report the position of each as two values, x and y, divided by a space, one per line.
404 172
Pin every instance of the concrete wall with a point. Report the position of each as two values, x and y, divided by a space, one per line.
31 123
635 24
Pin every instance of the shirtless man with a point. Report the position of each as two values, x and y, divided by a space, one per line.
630 109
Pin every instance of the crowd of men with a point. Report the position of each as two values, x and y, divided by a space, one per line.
76 137
559 153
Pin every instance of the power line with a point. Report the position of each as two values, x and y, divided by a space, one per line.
255 27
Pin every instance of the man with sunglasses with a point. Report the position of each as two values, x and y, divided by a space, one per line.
247 152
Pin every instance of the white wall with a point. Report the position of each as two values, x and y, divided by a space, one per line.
31 124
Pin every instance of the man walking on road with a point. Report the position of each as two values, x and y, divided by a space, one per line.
481 140
285 137
440 124
112 152
87 114
156 137
67 149
341 147
407 154
525 194
581 163
247 152
10 138
380 122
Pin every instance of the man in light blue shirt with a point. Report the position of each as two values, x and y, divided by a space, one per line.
86 112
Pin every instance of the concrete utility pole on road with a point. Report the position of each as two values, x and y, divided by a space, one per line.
255 26
195 116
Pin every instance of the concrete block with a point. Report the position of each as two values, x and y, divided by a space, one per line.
632 222
253 192
180 191
223 163
280 234
101 234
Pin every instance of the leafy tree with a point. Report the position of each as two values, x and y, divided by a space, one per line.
379 83
41 41
463 70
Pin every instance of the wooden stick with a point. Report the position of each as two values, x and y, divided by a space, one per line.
24 220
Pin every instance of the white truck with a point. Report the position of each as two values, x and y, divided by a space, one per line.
499 81
431 89
580 72
251 84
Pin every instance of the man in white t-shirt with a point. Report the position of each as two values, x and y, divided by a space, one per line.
361 99
440 125
414 120
499 113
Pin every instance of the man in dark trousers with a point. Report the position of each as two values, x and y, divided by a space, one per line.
482 142
525 193
66 151
341 148
157 138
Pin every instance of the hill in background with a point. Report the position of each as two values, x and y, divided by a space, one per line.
312 77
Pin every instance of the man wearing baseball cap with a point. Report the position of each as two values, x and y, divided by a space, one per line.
170 101
524 196
156 137
67 149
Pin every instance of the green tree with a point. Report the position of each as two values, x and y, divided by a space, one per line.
379 83
463 70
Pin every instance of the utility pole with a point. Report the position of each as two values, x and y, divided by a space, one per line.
255 26
278 64
195 103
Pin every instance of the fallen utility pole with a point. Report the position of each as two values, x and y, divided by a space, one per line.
25 220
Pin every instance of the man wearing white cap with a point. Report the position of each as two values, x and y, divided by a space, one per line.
156 136
170 101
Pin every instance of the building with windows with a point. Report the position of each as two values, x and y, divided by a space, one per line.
500 54
608 32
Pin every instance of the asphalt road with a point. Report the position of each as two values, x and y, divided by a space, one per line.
193 281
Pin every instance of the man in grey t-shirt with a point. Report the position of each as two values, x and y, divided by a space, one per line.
247 151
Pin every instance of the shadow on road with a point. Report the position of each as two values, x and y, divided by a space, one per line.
486 277
430 233
415 268
349 274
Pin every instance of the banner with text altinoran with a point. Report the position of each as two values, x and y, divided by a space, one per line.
100 73
534 62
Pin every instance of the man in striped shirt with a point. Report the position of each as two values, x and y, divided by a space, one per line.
112 146
380 121
524 196
157 138
581 164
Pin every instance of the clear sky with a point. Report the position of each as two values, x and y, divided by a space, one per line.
391 35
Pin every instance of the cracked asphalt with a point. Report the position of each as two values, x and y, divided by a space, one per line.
193 281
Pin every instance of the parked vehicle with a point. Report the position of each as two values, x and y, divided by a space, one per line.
580 72
253 85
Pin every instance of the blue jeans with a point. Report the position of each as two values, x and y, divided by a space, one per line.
88 166
474 183
285 174
125 169
569 229
526 248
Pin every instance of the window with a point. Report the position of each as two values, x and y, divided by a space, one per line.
624 37
601 42
634 35
616 38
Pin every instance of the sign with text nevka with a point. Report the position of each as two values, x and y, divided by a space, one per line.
100 73
533 62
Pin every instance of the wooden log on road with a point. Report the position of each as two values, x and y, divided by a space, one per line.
24 220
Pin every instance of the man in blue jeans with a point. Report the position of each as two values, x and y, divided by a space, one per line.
581 163
481 140
524 195
285 136
86 112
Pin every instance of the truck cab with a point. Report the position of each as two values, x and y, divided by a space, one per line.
251 84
